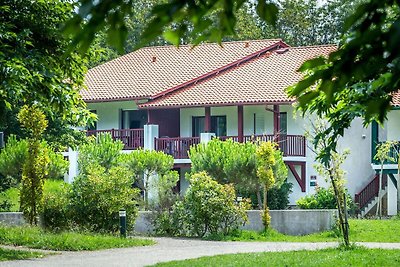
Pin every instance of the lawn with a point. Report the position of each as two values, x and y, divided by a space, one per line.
10 254
360 231
34 237
12 196
326 257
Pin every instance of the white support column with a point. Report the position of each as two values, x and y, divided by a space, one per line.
206 137
150 133
391 198
73 166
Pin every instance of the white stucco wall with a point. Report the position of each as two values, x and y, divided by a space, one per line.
393 125
357 165
108 113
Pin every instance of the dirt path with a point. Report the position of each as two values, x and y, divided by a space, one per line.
168 249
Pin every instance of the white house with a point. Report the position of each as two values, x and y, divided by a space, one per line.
164 98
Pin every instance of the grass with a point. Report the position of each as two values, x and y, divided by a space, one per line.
12 195
327 257
34 237
10 254
360 231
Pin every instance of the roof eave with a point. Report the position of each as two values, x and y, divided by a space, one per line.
241 103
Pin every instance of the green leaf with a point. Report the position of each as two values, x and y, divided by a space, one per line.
312 63
267 11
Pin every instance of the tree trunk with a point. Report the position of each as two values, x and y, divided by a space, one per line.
342 219
398 185
146 191
265 198
346 221
259 200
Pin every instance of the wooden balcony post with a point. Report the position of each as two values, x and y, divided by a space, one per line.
207 119
148 116
276 120
277 129
240 123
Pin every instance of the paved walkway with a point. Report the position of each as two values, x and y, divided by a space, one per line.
168 249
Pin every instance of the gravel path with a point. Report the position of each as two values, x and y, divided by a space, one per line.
168 249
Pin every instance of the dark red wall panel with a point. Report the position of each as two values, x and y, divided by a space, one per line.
168 121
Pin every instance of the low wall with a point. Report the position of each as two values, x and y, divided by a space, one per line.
290 222
12 218
294 222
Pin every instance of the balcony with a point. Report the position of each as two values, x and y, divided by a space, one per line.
393 154
178 147
131 138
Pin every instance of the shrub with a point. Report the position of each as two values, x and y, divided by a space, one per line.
278 198
163 219
101 150
9 200
322 199
210 208
58 166
56 213
12 158
98 195
145 164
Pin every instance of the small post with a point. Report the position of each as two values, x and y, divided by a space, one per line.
122 222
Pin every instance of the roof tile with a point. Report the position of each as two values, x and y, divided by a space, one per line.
262 80
151 70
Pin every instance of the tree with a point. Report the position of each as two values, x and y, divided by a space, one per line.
101 150
227 162
145 164
265 172
34 66
34 170
235 163
309 22
332 171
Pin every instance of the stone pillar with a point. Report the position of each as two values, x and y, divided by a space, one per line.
150 133
206 137
73 166
391 198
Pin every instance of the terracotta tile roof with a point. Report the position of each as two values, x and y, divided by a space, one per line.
262 80
396 99
151 70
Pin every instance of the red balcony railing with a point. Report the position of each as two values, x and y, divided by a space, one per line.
178 147
370 191
131 138
290 145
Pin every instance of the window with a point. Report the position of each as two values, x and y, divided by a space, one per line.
218 125
259 123
133 119
283 123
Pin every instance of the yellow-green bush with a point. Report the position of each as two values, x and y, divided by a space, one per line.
210 208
